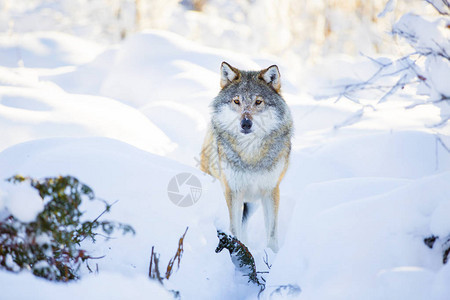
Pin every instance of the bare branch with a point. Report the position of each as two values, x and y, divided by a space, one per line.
438 9
266 260
178 255
153 271
443 99
400 84
440 141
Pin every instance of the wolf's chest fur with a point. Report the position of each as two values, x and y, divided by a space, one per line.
253 185
251 164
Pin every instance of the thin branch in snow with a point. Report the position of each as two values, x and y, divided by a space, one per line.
443 144
400 84
355 117
177 256
266 260
387 8
347 96
375 61
442 123
440 9
406 65
443 99
153 270
442 52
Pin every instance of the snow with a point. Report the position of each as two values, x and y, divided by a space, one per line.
366 184
348 242
388 8
106 286
427 36
46 50
439 70
140 73
422 33
440 289
440 224
21 201
47 111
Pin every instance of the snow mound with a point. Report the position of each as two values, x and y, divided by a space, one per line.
402 154
369 236
23 202
106 285
157 66
139 180
45 50
32 113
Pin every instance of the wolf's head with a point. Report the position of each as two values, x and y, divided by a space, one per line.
249 102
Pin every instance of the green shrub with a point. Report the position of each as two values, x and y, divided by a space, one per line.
49 246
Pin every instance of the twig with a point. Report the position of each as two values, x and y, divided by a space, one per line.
441 123
151 263
443 99
445 2
178 255
153 272
266 260
108 207
399 84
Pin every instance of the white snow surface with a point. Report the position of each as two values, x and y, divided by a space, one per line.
356 203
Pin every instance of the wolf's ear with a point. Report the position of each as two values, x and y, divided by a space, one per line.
271 76
227 74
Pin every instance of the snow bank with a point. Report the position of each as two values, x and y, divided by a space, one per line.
23 202
157 66
363 208
346 246
423 35
45 50
106 285
397 155
139 180
32 113
163 75
432 40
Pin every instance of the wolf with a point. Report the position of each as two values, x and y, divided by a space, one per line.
248 144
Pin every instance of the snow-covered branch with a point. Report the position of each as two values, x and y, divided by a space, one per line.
426 68
442 6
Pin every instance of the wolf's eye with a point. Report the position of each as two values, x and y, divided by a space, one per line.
236 101
258 101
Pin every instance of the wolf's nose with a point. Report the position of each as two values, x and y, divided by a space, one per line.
246 124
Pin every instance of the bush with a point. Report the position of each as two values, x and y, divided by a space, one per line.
49 246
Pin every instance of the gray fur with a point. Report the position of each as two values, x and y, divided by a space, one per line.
248 87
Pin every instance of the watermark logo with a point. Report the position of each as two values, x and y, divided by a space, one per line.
184 189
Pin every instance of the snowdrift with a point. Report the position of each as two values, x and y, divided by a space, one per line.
357 200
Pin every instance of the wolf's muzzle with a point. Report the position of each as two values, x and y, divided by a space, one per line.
246 125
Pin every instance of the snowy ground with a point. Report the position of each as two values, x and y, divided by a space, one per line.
365 186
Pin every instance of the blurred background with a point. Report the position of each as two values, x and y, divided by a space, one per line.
290 29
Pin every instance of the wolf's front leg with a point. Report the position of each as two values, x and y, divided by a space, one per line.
270 202
236 210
